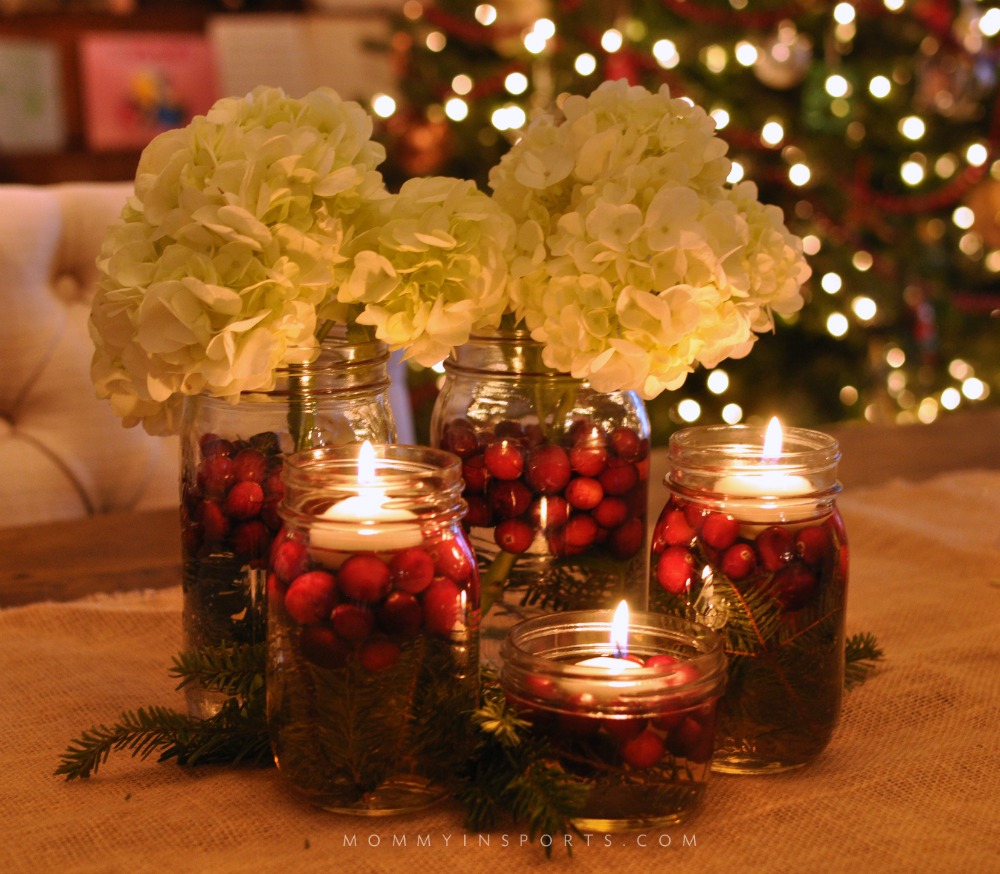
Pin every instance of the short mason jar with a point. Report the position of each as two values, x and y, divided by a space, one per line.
556 478
638 740
231 463
751 543
373 617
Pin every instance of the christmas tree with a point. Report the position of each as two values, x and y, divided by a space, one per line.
875 126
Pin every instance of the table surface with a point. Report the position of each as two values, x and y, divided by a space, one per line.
90 621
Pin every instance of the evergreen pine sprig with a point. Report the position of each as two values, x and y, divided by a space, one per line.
512 771
862 654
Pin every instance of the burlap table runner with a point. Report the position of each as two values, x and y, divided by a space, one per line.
910 782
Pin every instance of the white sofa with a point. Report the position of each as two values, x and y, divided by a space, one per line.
63 453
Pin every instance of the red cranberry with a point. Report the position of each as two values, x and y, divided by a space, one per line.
244 500
412 569
549 511
478 514
695 515
321 646
628 539
627 444
509 429
352 622
475 474
504 460
584 493
250 465
311 597
453 559
675 529
662 661
509 498
442 601
460 438
588 459
720 530
513 535
644 750
624 729
214 521
290 560
251 539
215 475
793 586
364 578
814 545
274 485
675 569
688 740
610 513
270 514
379 655
580 531
548 469
619 477
739 561
400 613
212 445
775 547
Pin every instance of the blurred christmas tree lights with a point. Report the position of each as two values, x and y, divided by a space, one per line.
874 125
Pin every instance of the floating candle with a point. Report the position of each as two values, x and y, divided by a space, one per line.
363 522
754 493
617 663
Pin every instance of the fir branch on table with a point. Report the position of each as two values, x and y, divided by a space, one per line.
236 734
862 655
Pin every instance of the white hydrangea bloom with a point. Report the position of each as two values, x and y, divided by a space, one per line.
214 274
634 260
435 270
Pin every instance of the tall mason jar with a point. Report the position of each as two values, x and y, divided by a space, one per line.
556 479
373 597
231 462
751 543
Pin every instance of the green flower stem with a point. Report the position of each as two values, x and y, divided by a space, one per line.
492 581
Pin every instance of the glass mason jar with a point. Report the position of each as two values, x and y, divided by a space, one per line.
636 731
231 461
751 543
373 615
556 479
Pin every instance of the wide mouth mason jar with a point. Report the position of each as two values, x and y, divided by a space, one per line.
751 543
636 729
373 620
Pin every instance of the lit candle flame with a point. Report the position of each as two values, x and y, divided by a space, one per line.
619 631
366 464
773 439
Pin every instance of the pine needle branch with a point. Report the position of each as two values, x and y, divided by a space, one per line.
236 670
142 732
862 654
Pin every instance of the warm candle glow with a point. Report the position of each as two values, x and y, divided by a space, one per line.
773 438
619 631
366 464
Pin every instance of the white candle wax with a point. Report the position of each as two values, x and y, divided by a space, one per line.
611 664
359 525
